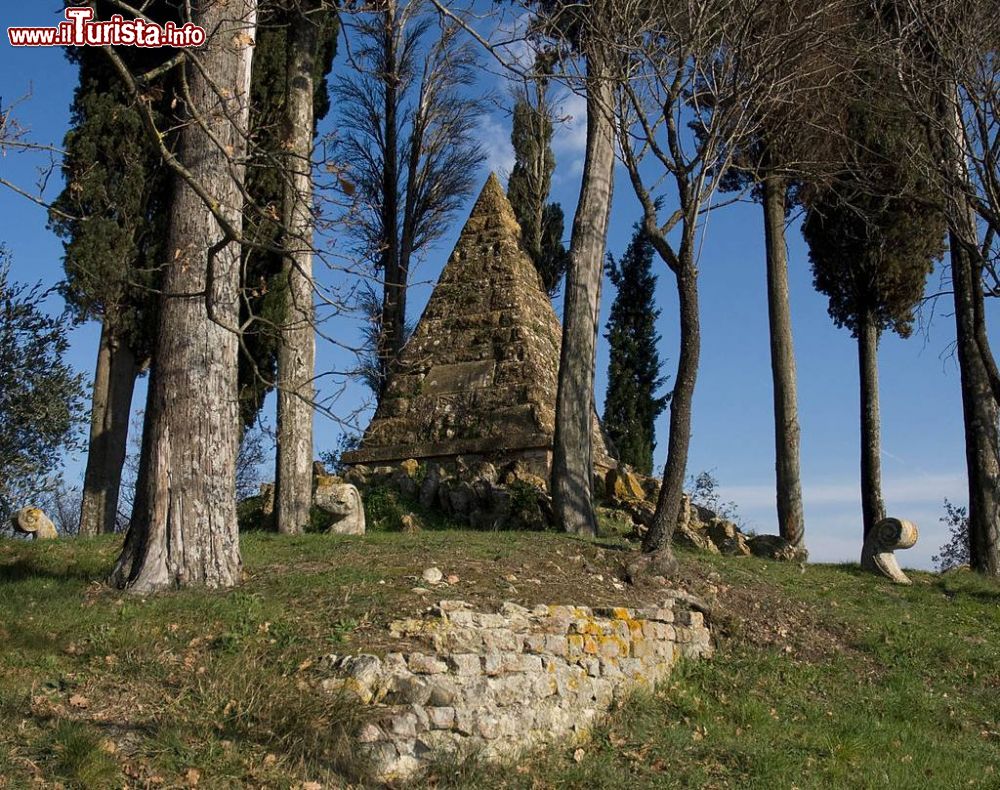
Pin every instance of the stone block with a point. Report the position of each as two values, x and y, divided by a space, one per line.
405 725
493 663
443 690
466 663
481 620
421 664
409 689
556 644
441 718
521 662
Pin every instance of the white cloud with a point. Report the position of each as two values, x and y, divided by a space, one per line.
494 137
920 488
833 513
569 139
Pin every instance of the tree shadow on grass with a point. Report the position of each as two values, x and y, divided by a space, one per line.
25 569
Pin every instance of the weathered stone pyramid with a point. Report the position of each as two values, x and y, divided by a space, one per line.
478 377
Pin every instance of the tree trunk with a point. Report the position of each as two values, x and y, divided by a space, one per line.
975 361
791 522
394 288
297 343
572 458
135 539
668 508
114 383
872 506
186 534
979 409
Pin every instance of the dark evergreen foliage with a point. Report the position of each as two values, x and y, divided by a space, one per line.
262 310
112 212
874 230
542 223
631 404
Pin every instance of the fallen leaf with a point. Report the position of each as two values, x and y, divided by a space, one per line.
578 755
79 701
192 777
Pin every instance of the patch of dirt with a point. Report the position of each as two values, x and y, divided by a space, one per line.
549 570
761 614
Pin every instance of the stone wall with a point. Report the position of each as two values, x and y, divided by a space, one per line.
499 683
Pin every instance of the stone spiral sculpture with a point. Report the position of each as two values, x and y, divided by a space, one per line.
32 521
885 537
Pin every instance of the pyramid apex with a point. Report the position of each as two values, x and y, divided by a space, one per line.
492 204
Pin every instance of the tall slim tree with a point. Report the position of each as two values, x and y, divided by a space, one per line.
530 182
588 32
943 56
408 133
693 97
788 484
185 532
297 346
874 233
111 215
289 96
631 404
263 308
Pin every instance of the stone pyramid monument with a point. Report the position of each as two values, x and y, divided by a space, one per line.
478 377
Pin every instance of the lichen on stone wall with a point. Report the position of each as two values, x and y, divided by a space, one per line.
502 682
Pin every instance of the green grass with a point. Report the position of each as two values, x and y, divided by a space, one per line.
827 678
873 686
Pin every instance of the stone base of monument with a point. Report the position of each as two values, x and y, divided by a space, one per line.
498 683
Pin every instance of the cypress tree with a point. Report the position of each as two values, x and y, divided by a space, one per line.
263 304
111 216
874 231
542 223
631 404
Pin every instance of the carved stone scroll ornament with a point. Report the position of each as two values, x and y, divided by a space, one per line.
32 521
887 536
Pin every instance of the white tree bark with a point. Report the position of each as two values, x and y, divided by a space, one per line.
186 533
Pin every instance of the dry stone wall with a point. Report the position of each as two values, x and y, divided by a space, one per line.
499 683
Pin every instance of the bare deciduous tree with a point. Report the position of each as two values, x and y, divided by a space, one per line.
698 85
945 56
407 145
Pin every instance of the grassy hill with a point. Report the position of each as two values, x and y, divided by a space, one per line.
823 677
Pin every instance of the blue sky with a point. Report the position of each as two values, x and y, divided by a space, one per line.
923 448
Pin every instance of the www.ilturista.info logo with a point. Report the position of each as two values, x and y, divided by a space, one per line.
80 30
